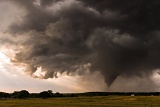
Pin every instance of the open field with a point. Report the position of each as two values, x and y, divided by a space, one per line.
107 101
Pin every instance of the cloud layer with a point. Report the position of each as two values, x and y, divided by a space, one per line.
116 38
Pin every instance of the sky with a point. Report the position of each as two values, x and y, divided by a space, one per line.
80 45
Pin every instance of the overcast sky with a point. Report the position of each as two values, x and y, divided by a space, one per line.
79 45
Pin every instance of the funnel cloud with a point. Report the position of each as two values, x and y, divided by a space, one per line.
113 37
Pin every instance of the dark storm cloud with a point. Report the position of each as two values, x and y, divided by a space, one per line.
61 44
48 2
115 37
36 17
141 16
140 19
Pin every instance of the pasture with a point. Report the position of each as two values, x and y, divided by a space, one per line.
106 101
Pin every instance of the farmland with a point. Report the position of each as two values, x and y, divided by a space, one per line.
95 101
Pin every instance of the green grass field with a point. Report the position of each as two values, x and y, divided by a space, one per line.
108 101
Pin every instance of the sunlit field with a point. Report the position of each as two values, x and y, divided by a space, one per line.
108 101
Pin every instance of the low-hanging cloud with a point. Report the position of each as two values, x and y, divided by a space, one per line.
111 36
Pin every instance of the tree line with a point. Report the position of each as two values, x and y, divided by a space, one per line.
23 94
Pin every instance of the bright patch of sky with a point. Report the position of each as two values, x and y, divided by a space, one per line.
13 78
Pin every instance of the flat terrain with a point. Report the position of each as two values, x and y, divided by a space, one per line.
108 101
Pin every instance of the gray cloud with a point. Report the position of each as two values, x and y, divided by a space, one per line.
140 17
48 2
115 37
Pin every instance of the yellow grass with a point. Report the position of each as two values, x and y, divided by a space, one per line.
108 101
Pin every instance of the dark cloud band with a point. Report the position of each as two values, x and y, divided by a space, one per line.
115 37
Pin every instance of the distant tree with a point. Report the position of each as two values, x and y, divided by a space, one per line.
34 95
21 94
44 94
50 92
4 95
57 94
